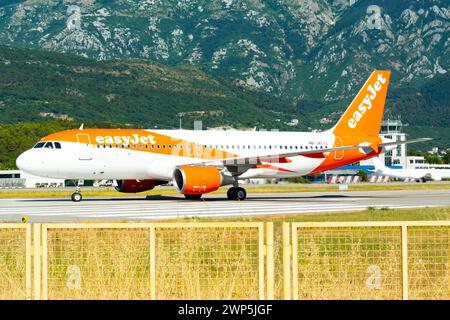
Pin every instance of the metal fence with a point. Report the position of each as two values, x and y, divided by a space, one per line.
153 261
335 260
367 260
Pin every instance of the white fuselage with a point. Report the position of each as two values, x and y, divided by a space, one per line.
79 161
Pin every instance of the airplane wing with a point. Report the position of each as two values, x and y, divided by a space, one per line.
281 157
275 157
240 165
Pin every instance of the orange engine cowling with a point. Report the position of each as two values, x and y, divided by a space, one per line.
134 186
197 180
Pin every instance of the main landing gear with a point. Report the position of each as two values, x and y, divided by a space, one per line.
76 196
236 193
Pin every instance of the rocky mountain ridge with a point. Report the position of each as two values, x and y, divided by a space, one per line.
301 49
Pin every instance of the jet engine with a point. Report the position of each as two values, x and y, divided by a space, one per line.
135 186
192 180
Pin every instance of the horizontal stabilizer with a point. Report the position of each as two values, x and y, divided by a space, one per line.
394 143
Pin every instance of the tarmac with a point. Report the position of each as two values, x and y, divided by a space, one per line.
137 208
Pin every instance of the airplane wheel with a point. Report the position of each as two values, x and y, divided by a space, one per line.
76 197
231 193
193 196
241 194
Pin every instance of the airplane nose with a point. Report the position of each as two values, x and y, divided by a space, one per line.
24 161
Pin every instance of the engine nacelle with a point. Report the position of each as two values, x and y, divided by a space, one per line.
197 180
135 186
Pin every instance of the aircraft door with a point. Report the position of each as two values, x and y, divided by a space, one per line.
338 155
85 150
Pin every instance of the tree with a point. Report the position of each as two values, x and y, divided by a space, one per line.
363 175
433 159
446 157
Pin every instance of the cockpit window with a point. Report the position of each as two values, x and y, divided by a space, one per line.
39 145
57 145
49 145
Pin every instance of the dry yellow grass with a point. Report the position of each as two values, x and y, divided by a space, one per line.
12 264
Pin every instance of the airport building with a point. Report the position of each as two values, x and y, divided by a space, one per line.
20 179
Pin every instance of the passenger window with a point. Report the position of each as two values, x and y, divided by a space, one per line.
39 145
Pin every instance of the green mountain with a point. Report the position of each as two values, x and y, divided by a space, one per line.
39 85
301 49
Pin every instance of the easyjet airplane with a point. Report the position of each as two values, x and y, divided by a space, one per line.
199 162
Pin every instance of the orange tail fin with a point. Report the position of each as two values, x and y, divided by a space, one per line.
363 116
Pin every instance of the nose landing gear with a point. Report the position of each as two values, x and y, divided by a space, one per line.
76 196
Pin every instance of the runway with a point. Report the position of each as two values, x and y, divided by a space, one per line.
216 205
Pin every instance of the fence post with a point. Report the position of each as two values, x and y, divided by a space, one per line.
37 260
269 261
294 253
261 254
44 258
28 254
405 262
287 250
152 264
